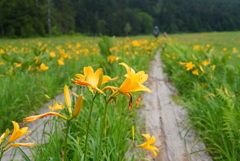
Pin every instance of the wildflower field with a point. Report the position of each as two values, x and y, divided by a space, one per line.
205 69
102 80
98 121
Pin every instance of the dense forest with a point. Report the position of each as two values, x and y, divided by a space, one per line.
27 18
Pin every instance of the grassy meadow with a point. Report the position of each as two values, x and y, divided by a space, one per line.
33 71
206 71
99 120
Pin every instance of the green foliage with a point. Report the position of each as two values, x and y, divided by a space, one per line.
36 18
109 138
146 23
105 45
127 28
212 97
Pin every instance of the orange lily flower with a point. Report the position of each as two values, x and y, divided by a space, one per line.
32 118
130 85
60 62
112 58
195 72
17 132
148 144
141 77
56 106
43 67
206 62
133 81
92 79
189 66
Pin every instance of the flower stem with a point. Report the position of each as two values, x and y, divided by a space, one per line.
104 128
65 142
1 155
88 124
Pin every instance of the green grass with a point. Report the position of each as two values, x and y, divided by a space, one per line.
219 40
212 97
26 90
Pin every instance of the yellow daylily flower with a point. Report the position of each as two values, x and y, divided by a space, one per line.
130 85
141 77
195 72
182 63
52 54
92 79
148 144
196 47
17 132
112 58
2 51
206 62
56 106
43 67
60 62
189 66
133 81
135 43
18 65
32 118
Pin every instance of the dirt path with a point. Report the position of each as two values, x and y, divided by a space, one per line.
166 120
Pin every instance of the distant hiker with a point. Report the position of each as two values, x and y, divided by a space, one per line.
156 32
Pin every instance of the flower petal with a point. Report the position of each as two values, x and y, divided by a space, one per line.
32 118
22 144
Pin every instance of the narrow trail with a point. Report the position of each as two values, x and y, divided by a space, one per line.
167 121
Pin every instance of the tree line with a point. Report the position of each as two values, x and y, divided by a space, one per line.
28 18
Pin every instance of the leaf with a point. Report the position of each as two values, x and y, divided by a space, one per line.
105 44
225 58
23 154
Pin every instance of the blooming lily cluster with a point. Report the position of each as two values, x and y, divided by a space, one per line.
133 82
17 133
94 81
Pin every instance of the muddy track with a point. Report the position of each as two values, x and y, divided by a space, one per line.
167 121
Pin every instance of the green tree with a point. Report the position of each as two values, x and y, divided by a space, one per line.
146 23
127 28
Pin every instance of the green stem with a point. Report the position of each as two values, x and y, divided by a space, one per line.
65 142
88 124
3 149
105 118
104 125
1 155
